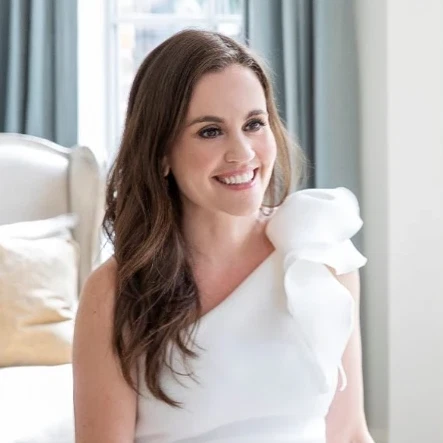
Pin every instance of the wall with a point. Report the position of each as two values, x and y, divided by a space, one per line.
401 71
371 18
415 140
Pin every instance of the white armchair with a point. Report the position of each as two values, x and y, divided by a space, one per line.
41 180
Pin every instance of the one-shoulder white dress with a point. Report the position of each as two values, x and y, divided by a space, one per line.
270 353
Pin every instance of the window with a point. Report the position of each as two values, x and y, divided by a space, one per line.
135 27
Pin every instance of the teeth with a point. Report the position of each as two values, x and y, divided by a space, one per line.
237 179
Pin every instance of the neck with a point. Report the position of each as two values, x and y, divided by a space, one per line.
219 237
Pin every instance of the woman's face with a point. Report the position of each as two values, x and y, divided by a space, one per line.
223 159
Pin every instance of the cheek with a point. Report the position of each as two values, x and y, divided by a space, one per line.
205 158
267 149
192 162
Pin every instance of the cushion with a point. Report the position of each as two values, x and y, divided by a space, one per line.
38 294
59 226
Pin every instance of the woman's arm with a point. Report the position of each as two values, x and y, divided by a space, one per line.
346 421
104 404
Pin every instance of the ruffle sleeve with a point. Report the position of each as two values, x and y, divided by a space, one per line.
311 229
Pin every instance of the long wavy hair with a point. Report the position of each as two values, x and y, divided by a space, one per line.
157 300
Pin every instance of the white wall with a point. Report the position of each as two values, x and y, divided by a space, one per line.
415 140
371 18
401 74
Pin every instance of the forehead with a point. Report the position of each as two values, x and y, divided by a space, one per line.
234 90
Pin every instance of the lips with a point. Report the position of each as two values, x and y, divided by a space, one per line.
237 177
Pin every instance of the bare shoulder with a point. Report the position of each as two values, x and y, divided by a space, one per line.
94 320
105 405
101 281
98 292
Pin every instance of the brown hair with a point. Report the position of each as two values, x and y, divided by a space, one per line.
157 301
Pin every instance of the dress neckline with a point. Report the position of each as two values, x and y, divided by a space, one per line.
236 291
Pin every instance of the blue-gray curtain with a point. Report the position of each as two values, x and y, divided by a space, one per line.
310 46
38 68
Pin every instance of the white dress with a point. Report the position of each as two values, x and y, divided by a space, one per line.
271 352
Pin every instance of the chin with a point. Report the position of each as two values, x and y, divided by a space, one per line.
245 208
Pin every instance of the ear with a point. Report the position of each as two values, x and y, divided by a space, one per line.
165 167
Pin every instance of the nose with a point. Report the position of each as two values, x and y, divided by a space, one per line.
240 150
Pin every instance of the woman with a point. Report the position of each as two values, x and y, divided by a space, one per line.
219 318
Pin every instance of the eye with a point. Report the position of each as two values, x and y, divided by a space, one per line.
211 132
255 125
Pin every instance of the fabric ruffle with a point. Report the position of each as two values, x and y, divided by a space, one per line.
311 229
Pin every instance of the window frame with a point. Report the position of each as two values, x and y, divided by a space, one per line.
98 73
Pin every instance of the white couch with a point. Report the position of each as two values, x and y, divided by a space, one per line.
40 180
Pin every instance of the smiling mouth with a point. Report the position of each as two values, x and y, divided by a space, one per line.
237 180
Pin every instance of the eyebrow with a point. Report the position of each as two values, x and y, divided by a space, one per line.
215 119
